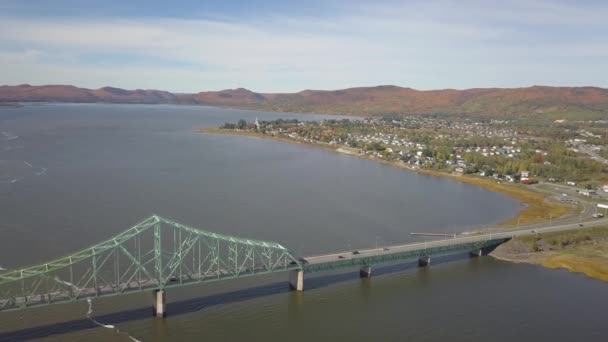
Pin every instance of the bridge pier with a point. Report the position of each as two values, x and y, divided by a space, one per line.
159 304
476 253
365 272
296 280
483 251
424 261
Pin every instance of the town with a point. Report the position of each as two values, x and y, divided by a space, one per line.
506 150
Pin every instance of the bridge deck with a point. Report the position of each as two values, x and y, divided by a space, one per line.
195 256
400 252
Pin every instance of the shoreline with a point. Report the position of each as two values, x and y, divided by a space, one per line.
583 251
537 206
10 105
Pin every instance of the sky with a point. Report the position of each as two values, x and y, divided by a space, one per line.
288 46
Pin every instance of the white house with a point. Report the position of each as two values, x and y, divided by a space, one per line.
605 187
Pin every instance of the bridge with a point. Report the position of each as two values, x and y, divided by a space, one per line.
158 254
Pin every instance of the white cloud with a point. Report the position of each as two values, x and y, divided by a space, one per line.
420 44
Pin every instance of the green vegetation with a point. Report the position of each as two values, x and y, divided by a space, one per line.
502 149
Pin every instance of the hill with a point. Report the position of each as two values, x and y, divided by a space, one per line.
553 102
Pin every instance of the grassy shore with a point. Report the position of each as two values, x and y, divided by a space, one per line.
581 251
537 207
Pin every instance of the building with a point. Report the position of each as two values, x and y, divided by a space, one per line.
605 188
525 175
587 192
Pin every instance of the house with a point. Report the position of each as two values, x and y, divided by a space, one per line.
482 173
525 175
459 170
605 187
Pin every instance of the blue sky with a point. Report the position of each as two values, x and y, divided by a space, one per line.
285 46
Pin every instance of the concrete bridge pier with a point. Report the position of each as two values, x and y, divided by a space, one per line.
159 304
483 251
365 272
424 261
296 280
476 253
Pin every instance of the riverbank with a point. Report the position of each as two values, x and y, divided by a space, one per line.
538 208
581 251
10 105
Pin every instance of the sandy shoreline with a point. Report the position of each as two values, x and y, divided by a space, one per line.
536 207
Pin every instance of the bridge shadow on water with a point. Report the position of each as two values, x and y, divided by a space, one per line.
197 304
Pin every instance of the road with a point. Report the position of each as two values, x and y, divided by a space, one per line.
584 219
505 234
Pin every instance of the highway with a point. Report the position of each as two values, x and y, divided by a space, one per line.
505 234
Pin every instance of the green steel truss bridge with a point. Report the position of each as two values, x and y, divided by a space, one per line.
158 254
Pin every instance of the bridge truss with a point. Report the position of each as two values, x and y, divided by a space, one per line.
157 253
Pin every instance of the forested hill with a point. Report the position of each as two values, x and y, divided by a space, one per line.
573 103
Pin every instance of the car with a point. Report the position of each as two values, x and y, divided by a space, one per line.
355 252
340 256
534 231
385 249
580 224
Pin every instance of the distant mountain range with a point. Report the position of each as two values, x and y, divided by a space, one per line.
554 102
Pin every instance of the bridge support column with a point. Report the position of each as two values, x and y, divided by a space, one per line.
365 272
476 253
424 261
296 280
160 304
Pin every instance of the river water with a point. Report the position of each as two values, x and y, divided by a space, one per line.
75 174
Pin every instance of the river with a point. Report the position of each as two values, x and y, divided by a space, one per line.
75 174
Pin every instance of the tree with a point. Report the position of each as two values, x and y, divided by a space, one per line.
242 124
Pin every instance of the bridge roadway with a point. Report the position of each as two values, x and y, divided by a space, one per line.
476 244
